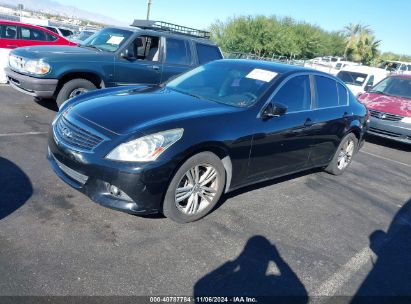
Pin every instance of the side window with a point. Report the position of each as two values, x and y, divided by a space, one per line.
207 53
177 52
295 94
342 95
145 48
50 37
8 31
32 34
326 92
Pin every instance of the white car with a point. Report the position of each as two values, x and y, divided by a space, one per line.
397 67
360 79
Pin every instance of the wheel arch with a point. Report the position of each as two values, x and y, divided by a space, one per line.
95 78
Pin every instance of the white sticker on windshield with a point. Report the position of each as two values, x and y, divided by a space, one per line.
115 40
261 75
360 79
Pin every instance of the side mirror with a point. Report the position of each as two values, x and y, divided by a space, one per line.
274 110
368 87
128 54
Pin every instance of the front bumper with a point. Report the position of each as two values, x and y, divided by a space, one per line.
142 187
36 87
394 130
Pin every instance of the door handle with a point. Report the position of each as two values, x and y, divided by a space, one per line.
308 123
155 67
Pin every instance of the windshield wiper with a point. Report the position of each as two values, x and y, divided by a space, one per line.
93 47
185 92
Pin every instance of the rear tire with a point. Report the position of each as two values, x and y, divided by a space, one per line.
74 88
195 188
343 156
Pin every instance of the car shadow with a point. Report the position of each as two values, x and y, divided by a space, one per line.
15 188
263 184
259 271
48 104
389 281
381 141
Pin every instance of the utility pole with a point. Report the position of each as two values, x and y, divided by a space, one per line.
148 9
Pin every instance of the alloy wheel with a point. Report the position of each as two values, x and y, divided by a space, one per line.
345 155
196 189
77 92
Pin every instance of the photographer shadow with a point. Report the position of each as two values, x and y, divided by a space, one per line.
15 188
259 271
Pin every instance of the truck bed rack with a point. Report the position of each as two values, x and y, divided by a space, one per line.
171 28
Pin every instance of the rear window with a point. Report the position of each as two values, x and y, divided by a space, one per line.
342 95
352 78
51 29
327 95
177 52
32 34
65 32
207 53
8 31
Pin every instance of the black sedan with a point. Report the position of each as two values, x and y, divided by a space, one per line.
176 148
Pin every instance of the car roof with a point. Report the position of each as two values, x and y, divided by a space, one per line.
362 69
280 68
38 27
163 33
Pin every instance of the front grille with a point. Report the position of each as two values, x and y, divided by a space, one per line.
73 135
385 116
384 132
81 178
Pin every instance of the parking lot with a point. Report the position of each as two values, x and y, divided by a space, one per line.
311 234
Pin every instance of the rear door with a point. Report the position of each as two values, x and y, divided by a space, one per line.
178 58
332 117
31 36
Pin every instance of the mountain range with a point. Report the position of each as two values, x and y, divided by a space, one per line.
55 8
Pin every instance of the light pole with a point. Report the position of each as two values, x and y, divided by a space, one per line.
148 9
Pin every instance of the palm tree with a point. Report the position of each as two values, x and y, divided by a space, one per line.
353 32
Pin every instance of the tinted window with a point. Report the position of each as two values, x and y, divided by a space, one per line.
177 52
326 92
52 29
32 34
65 32
207 53
50 37
342 95
295 94
8 32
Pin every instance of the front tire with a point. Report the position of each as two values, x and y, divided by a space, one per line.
343 156
195 188
74 88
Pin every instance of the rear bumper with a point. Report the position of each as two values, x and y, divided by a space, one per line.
394 130
36 87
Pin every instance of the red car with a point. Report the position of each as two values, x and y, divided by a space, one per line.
389 103
16 34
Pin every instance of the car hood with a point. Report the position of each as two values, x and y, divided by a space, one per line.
127 111
388 104
55 52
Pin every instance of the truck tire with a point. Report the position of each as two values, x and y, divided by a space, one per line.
74 88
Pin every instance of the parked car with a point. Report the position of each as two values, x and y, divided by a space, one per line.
176 148
16 34
61 31
396 67
360 79
146 54
389 103
82 36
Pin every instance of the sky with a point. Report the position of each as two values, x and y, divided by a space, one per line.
390 20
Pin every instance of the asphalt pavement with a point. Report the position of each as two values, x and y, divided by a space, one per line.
310 234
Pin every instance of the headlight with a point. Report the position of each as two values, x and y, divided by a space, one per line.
146 148
36 67
406 120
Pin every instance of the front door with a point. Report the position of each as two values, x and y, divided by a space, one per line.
139 62
282 144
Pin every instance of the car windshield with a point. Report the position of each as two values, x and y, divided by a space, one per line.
84 35
223 82
352 78
394 86
108 39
